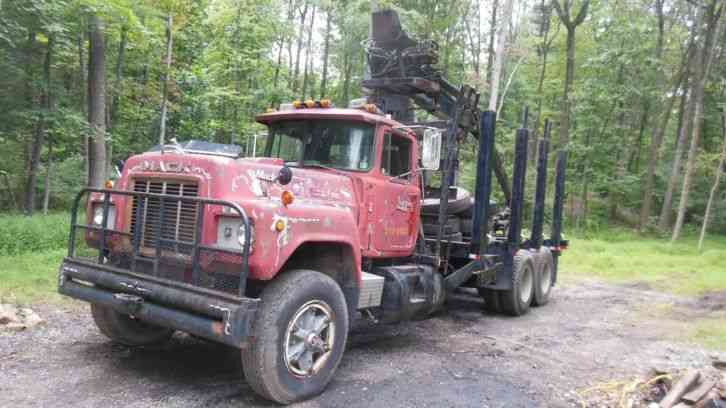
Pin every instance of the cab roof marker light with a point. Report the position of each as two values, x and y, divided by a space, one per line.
287 106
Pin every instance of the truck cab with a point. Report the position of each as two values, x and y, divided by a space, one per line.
374 160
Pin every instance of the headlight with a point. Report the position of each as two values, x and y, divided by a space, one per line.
231 233
98 215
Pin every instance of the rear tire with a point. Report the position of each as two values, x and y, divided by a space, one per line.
543 277
299 338
127 330
516 301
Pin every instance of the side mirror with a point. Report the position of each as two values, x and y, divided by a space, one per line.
285 175
431 149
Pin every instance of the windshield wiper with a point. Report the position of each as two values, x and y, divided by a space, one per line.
322 166
318 165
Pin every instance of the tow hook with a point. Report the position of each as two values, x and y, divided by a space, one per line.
131 302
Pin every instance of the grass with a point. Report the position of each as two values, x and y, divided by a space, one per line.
20 234
30 277
710 332
623 256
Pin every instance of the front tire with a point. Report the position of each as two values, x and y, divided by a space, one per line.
125 329
300 331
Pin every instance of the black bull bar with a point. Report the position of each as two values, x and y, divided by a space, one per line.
185 306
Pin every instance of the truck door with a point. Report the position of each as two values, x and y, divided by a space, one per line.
398 196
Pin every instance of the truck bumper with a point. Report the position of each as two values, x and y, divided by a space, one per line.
202 312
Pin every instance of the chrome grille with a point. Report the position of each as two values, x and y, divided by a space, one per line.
179 216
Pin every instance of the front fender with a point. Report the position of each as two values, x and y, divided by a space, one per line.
302 224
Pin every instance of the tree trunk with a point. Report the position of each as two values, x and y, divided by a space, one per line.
712 31
117 89
545 50
165 84
9 188
326 50
622 162
716 182
40 131
499 57
303 15
569 79
48 173
279 62
659 128
118 85
290 18
571 24
492 35
82 73
82 93
308 56
97 103
347 70
685 120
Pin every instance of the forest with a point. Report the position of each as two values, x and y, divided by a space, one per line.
635 89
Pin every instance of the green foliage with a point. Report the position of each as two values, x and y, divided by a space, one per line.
623 256
30 277
24 235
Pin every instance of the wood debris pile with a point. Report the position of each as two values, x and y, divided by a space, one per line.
705 388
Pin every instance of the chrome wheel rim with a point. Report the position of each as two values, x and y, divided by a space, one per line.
546 277
309 338
525 286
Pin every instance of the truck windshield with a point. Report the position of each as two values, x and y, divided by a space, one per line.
343 145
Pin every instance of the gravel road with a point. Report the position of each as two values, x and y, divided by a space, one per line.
589 333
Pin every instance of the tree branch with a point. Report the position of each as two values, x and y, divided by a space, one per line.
582 14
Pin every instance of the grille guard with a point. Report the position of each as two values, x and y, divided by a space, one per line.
136 238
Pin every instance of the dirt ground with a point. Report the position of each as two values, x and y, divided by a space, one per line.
589 333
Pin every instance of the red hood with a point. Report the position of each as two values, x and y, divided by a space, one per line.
244 181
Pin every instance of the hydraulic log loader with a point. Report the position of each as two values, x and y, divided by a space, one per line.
276 255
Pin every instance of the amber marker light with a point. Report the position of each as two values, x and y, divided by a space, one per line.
108 184
287 198
325 103
279 225
370 108
297 104
310 103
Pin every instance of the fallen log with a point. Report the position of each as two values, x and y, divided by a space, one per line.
680 388
699 392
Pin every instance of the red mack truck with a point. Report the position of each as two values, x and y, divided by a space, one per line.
340 217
